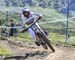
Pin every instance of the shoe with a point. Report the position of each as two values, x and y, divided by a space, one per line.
37 43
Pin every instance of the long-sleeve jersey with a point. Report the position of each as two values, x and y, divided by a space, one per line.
31 16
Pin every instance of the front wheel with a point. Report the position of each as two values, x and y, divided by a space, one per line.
41 42
49 45
46 40
44 45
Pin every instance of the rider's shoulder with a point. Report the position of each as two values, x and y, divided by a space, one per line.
32 12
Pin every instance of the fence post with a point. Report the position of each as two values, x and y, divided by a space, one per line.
67 22
7 5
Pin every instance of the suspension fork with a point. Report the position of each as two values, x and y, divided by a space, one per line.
37 34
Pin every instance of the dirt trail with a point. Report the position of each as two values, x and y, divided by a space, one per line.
62 53
38 53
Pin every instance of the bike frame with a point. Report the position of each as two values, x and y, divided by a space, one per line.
37 29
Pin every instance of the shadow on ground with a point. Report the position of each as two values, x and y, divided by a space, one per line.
38 54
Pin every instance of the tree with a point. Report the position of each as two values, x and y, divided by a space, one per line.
7 2
29 2
13 3
0 22
24 2
42 4
56 6
49 3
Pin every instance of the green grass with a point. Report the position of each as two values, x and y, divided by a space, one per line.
24 36
5 50
49 14
58 38
54 38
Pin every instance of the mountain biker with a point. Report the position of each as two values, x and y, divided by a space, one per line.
28 18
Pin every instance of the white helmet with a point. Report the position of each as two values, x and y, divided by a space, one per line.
25 9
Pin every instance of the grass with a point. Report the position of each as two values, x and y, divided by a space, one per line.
4 50
58 38
48 13
54 38
24 35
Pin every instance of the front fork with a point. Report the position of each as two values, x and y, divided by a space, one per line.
37 32
39 38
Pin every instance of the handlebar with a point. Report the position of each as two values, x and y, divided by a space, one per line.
28 26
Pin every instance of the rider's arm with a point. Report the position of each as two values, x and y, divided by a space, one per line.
39 16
